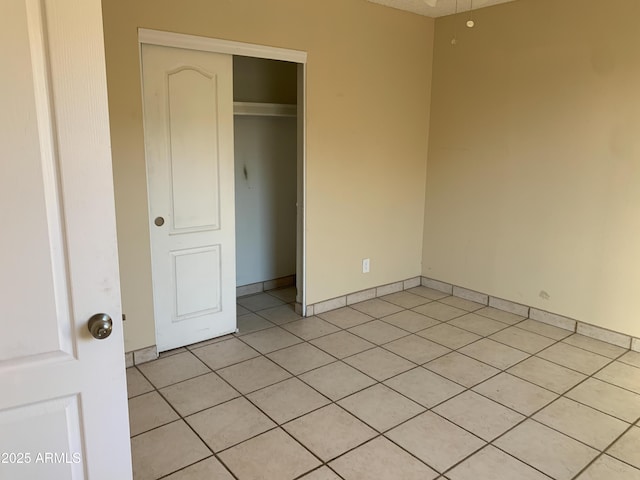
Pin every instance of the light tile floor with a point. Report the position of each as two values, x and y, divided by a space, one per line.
415 385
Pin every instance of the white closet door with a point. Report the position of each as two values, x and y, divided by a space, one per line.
188 113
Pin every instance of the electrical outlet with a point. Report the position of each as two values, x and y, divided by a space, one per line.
366 265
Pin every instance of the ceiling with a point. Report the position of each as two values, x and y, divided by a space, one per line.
441 8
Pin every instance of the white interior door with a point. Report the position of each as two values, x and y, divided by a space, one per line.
188 114
63 403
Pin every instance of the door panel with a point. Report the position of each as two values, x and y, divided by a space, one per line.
27 248
188 107
63 400
195 271
53 449
194 149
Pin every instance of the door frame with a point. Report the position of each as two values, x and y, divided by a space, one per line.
216 45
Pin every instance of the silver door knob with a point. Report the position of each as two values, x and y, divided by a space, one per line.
100 326
159 221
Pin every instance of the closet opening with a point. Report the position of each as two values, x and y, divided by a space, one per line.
268 151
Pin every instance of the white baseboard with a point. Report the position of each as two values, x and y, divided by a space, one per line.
258 287
566 323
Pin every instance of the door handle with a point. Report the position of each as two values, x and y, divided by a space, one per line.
159 221
100 326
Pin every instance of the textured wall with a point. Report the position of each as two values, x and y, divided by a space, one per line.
533 178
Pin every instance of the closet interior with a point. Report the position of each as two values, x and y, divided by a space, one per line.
266 172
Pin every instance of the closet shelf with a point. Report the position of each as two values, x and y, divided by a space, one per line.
264 109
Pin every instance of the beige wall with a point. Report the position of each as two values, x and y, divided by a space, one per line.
369 73
533 181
